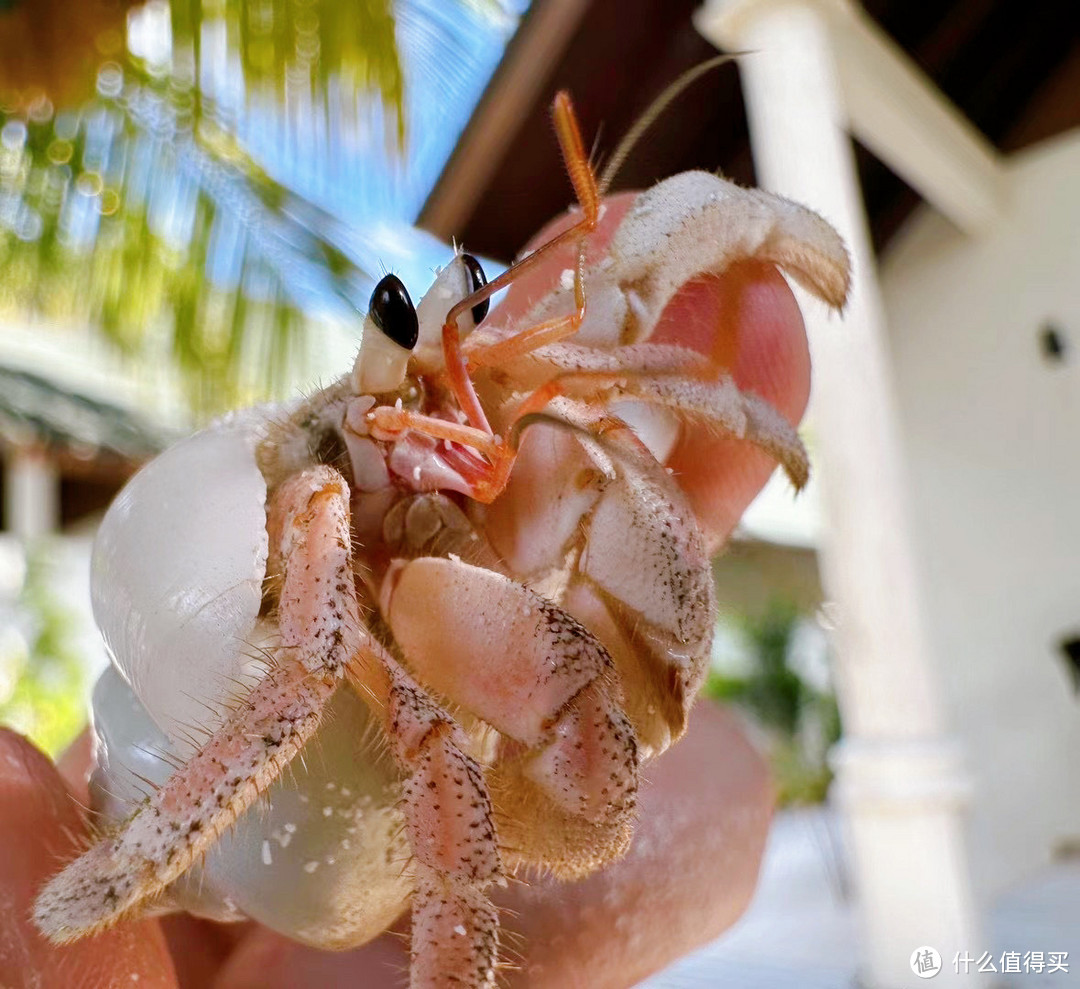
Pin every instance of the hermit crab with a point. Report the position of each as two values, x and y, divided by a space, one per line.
390 643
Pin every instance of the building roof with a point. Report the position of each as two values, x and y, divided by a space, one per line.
1012 67
36 413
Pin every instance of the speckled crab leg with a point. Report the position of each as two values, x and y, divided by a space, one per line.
526 667
449 822
319 622
447 809
714 401
448 819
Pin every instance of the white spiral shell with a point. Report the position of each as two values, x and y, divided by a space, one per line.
177 571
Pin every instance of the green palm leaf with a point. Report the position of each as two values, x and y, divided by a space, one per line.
141 212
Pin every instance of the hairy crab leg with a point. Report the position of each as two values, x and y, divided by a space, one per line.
447 808
519 662
182 819
448 820
643 578
444 797
716 402
690 225
624 555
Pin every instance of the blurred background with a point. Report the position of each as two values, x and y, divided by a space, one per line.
197 196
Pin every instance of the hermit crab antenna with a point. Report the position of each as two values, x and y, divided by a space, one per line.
588 195
652 112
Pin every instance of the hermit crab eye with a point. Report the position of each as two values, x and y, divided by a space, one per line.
477 279
393 312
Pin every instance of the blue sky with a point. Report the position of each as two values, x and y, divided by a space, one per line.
449 51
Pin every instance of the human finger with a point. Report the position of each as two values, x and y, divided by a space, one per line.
746 318
41 826
753 311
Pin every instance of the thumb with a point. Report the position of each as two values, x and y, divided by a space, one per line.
40 828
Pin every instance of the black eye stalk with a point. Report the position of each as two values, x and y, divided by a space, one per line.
393 312
478 280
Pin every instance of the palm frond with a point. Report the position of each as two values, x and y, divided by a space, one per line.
144 213
141 212
120 212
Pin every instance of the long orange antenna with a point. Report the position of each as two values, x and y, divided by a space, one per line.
583 180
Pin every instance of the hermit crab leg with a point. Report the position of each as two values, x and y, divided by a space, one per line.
690 225
712 400
644 579
448 819
319 623
447 809
625 551
519 662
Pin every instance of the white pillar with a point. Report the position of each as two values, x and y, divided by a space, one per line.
31 495
899 778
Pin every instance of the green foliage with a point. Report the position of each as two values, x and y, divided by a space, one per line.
800 780
141 213
46 699
118 225
290 50
801 721
313 41
774 692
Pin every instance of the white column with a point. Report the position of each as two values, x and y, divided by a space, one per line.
31 495
900 779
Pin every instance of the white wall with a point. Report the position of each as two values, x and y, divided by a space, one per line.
993 435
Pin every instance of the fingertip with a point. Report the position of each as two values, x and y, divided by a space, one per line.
748 321
41 826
